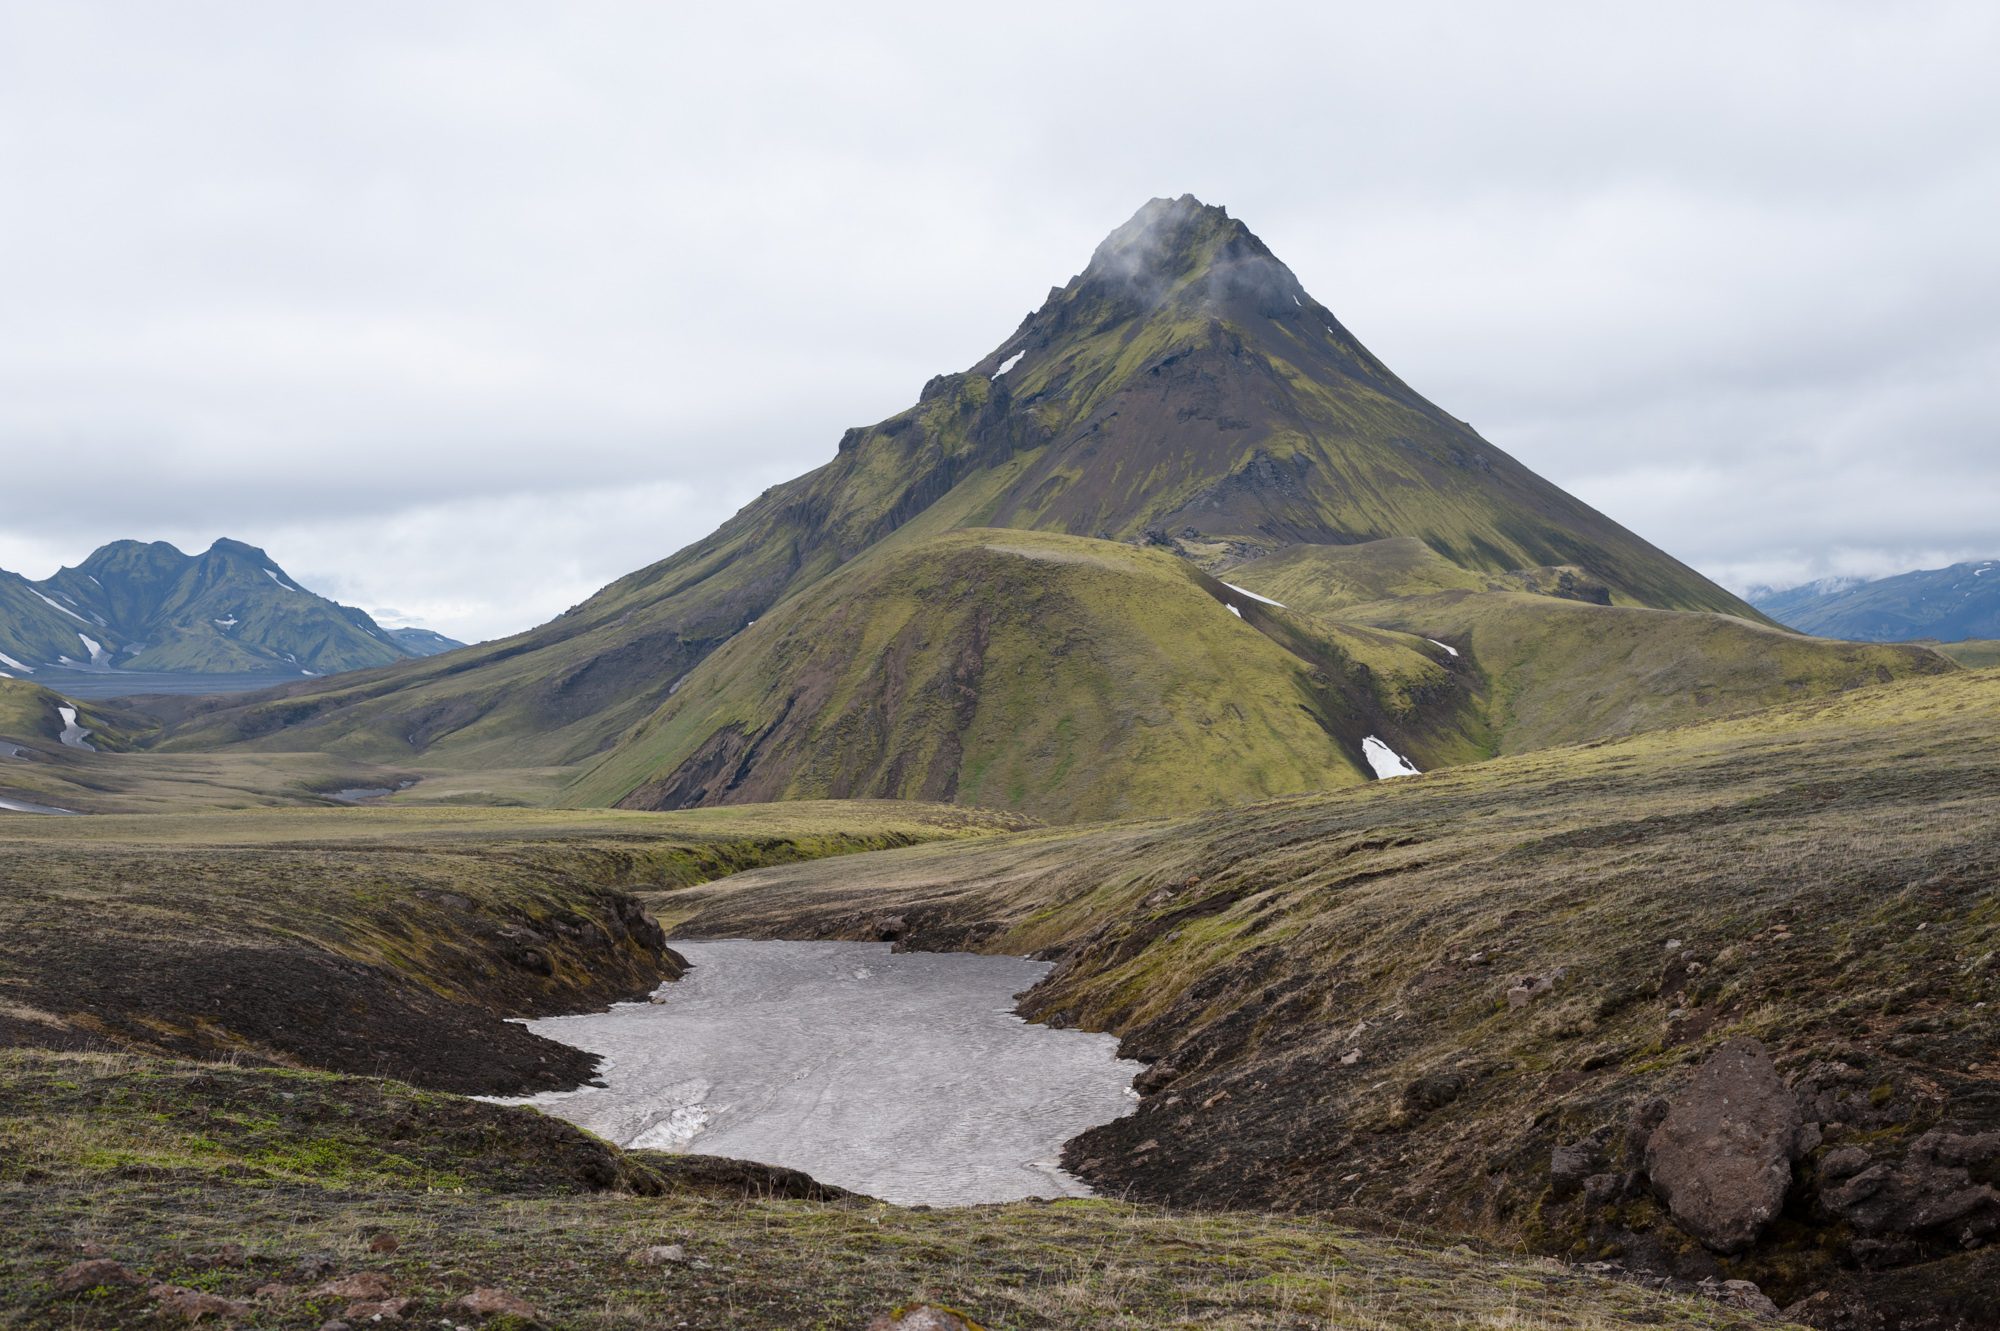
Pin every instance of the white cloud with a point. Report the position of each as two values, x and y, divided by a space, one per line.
472 307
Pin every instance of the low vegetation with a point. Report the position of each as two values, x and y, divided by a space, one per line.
372 941
267 1191
1326 985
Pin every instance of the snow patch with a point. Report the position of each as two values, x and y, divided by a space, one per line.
1234 611
280 581
98 656
1296 301
1447 646
74 735
57 605
1253 596
22 806
228 623
7 660
1009 363
1385 761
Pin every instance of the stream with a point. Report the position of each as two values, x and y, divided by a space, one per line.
902 1075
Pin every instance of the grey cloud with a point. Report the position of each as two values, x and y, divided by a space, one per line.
472 307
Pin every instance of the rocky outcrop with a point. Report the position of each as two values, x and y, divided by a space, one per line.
1930 1190
1721 1160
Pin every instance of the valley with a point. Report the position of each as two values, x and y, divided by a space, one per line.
1245 849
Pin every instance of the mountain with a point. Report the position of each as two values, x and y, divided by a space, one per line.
1944 604
134 605
1183 391
1058 675
425 642
1072 678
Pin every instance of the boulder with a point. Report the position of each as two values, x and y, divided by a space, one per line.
488 1302
924 1317
1571 1163
1722 1157
193 1304
660 1254
376 1310
360 1285
80 1276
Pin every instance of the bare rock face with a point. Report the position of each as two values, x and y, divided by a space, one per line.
1722 1157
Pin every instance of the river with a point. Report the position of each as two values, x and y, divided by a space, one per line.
902 1075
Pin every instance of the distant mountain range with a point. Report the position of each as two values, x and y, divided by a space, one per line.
142 606
1945 604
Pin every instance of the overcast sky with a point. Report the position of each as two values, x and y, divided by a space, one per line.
462 310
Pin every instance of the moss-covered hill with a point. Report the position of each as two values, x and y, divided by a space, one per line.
1323 984
1182 390
1066 677
1079 679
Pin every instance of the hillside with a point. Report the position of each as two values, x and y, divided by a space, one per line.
1066 677
1946 604
1183 391
148 607
1463 1000
1547 669
1077 679
282 1161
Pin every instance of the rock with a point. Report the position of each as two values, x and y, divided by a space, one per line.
1531 987
1929 1188
1742 1294
315 1266
376 1310
924 1317
890 927
1645 1116
1350 1058
360 1285
89 1274
1604 1189
1722 1157
1433 1090
193 1304
334 1326
384 1243
660 1254
1843 1163
1570 1164
90 1248
274 1290
488 1302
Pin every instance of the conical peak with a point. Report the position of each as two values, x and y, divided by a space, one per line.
1165 240
1188 252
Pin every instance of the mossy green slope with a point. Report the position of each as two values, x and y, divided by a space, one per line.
1183 389
1066 677
1549 669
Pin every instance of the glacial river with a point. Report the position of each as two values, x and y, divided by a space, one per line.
902 1075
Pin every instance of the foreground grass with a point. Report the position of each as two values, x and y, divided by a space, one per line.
233 1181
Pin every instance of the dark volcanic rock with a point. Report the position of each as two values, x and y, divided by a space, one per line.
1931 1188
1722 1158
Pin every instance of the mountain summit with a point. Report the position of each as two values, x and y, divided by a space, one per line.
1183 392
141 605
